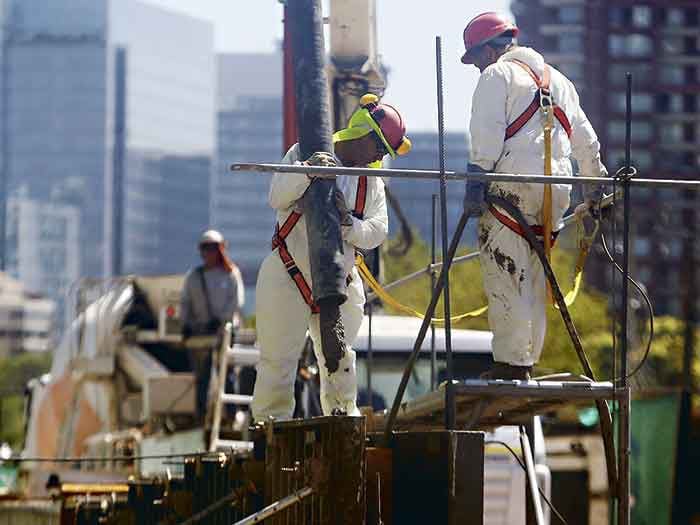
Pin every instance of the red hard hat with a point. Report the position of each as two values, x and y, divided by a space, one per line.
385 120
483 28
390 122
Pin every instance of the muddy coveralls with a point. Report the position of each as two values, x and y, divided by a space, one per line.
284 305
505 139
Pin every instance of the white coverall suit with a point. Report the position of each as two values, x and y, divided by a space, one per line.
513 277
282 315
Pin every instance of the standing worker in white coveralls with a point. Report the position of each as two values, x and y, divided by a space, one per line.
507 136
285 308
213 295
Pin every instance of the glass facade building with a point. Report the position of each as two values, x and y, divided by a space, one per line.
249 130
55 102
111 95
43 247
658 43
414 196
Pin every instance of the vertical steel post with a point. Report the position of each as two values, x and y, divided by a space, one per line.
624 428
370 354
449 390
433 238
625 412
531 481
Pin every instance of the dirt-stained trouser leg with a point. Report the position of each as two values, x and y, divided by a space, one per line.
515 288
282 319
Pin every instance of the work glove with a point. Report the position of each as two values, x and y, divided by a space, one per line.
590 207
593 193
322 159
186 332
213 325
345 215
474 196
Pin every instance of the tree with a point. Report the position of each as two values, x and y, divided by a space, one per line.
589 312
15 372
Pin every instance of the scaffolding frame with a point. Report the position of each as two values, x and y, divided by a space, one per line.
497 390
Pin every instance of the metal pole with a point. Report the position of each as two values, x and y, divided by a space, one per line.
370 354
531 477
624 470
433 237
449 390
626 232
623 511
251 168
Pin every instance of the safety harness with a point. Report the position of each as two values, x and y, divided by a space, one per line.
543 102
282 232
543 98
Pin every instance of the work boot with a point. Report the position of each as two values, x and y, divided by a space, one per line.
508 372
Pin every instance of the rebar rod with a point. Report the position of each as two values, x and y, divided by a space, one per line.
276 507
450 408
431 269
624 437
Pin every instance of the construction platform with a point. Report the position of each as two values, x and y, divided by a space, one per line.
483 404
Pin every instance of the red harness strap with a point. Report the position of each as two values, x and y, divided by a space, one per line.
525 116
282 232
360 198
516 228
278 241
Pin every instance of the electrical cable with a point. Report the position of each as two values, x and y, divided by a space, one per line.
650 308
522 465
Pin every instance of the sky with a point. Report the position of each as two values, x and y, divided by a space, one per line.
406 33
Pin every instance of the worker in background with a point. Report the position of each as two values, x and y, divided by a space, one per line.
507 136
213 295
285 309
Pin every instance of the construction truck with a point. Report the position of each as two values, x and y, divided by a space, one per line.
118 409
121 383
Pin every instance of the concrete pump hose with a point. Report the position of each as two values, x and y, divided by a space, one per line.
606 427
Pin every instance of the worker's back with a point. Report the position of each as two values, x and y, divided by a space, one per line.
505 91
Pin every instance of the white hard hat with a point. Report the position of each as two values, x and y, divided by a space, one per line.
211 237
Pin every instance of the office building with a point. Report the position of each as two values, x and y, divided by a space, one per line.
97 91
249 124
183 211
658 42
26 319
415 196
43 245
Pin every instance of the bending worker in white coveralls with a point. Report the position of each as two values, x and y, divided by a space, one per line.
507 136
285 309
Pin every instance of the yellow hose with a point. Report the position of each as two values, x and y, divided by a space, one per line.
389 300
